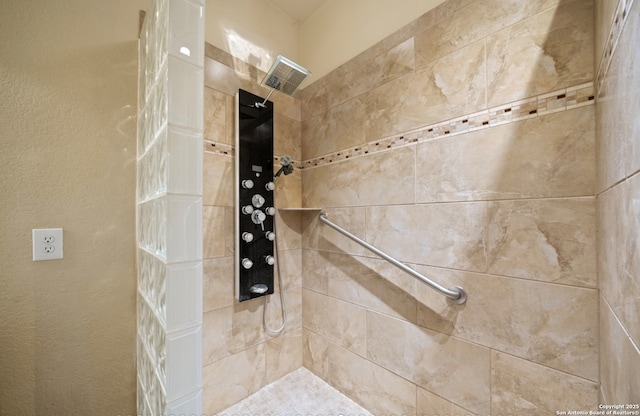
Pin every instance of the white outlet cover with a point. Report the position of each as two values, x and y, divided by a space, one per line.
47 243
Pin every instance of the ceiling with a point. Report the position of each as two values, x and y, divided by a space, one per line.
298 10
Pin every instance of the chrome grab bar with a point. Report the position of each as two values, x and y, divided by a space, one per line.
455 293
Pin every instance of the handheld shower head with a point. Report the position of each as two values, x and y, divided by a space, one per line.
287 167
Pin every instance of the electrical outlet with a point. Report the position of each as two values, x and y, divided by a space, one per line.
47 244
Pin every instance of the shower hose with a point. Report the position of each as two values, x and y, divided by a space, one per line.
264 310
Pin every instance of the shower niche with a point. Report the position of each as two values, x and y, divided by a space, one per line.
254 205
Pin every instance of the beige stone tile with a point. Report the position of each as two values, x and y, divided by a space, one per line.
357 76
314 276
530 158
429 404
449 87
229 330
213 228
230 120
293 302
604 11
229 231
546 52
339 127
288 192
382 178
449 367
554 325
287 137
220 77
218 283
550 240
471 23
445 235
215 115
218 180
339 321
246 328
631 277
290 266
370 283
611 243
289 229
320 236
232 379
618 107
379 390
283 354
525 388
216 331
315 353
629 48
619 251
283 104
619 360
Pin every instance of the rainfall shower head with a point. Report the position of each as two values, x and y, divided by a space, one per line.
285 75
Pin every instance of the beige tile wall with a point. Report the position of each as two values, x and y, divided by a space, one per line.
465 145
618 186
506 210
239 356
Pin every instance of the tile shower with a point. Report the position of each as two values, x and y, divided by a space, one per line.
465 145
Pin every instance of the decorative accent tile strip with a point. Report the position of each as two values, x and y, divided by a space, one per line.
552 102
619 19
223 149
217 148
560 100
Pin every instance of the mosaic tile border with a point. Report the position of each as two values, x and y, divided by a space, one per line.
552 102
220 149
619 18
223 149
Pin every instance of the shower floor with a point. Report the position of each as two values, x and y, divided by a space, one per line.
300 393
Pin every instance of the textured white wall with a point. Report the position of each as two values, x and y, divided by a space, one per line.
340 30
252 30
67 159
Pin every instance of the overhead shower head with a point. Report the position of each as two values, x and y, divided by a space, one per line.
285 75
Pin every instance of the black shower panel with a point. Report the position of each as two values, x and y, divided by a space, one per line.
255 207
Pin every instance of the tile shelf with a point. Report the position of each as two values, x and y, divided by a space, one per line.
299 209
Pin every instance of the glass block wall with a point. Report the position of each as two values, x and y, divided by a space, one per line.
169 208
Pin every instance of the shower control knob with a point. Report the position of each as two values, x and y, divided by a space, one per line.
247 237
246 263
247 184
270 211
247 209
269 260
257 200
258 217
270 186
270 235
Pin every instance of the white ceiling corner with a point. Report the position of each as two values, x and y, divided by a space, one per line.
298 10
